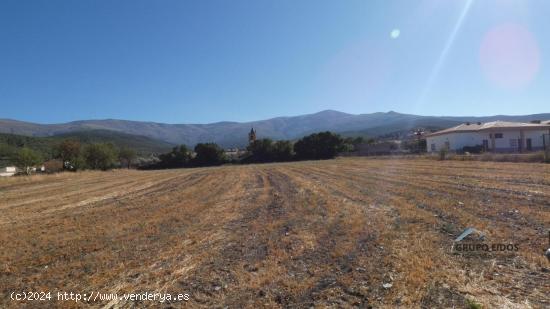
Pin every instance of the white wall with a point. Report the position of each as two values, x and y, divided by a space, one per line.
7 171
458 140
536 138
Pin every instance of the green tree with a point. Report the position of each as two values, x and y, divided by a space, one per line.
179 157
261 150
208 154
126 156
282 151
358 140
7 152
347 145
265 150
26 158
318 146
100 156
69 152
352 143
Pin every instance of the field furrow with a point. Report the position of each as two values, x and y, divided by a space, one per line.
338 233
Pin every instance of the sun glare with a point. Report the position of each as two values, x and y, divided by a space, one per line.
443 56
509 56
395 33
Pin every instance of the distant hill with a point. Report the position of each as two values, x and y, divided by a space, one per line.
46 145
229 134
141 144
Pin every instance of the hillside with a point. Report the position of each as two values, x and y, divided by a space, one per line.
46 145
141 144
229 134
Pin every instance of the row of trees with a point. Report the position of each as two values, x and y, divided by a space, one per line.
98 156
74 156
265 150
205 154
103 156
318 146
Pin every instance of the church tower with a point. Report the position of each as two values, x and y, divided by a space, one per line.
252 136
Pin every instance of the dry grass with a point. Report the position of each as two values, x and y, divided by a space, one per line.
322 234
533 157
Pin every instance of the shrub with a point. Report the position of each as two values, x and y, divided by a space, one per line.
179 157
126 156
100 156
26 158
507 157
261 150
53 166
443 154
318 146
282 151
70 154
477 149
472 304
265 150
208 154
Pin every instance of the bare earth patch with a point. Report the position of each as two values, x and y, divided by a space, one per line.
351 232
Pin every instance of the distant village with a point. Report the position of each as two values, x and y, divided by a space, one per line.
469 138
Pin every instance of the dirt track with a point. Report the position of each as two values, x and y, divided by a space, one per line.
305 234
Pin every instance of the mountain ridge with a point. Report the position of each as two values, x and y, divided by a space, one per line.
231 134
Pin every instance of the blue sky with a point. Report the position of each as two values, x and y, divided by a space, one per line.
205 61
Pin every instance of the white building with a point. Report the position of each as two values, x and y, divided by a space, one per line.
8 171
233 153
496 136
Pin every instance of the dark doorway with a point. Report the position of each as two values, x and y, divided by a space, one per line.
485 145
528 145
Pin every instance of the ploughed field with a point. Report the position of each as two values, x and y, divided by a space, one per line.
351 232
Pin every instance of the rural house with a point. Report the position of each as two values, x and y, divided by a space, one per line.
8 171
496 136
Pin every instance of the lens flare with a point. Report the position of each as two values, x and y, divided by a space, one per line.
443 55
395 33
509 56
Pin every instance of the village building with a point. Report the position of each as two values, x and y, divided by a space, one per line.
495 136
236 153
252 136
233 153
8 171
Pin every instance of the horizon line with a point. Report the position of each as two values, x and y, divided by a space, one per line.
271 118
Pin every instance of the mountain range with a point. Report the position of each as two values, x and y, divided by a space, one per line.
234 134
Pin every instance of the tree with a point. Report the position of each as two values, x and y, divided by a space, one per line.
318 146
53 166
351 144
358 140
126 156
179 157
282 151
26 158
100 156
261 150
69 152
265 150
347 145
208 154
